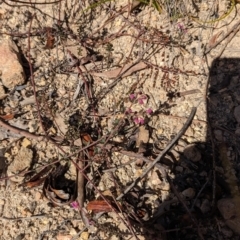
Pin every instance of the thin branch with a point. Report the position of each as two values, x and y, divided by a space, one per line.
21 131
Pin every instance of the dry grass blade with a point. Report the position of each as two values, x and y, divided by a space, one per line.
214 38
127 70
99 206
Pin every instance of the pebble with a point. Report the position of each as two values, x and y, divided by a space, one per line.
189 193
179 168
84 236
226 207
218 135
38 196
237 132
226 232
192 153
205 206
2 92
9 60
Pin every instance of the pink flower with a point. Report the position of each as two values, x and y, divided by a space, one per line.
149 111
132 96
138 120
128 111
142 99
74 205
181 27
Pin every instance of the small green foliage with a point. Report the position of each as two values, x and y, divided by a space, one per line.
155 4
79 51
109 47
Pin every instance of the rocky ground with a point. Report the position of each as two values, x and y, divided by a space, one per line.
92 93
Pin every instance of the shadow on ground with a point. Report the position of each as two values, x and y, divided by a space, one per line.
202 187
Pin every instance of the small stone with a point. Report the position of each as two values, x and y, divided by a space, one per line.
21 162
237 132
218 135
203 174
234 224
192 153
205 206
237 113
10 66
84 236
38 196
64 237
179 168
2 92
26 142
226 232
73 231
155 179
226 207
189 193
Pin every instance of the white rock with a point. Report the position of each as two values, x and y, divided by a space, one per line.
10 66
22 161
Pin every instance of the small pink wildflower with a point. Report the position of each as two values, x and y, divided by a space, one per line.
142 99
138 120
132 96
128 111
181 27
149 111
74 205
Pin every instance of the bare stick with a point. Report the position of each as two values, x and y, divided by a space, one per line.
23 218
162 154
20 131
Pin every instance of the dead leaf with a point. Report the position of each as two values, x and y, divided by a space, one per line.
101 206
7 117
116 72
37 179
86 140
60 193
50 38
213 39
59 190
34 183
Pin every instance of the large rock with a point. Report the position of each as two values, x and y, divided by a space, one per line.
11 71
230 210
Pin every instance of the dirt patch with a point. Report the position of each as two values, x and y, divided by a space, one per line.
106 89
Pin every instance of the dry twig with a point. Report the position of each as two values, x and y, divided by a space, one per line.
21 131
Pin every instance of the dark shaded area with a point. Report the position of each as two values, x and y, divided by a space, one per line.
222 110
